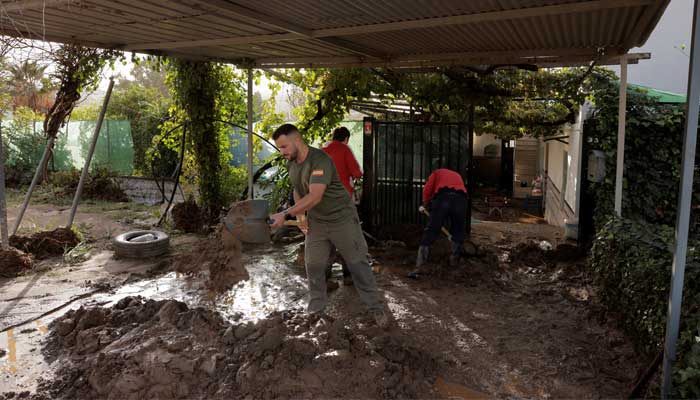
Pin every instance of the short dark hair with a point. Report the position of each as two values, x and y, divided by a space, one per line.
285 129
341 133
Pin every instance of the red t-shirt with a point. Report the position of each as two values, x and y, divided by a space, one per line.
345 162
442 178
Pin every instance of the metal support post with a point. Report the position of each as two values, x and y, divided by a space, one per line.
621 120
35 181
250 133
88 159
683 220
3 205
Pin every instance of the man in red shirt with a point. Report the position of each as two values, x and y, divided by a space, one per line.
348 169
446 197
342 156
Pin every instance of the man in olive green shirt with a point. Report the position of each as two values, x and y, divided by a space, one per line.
333 221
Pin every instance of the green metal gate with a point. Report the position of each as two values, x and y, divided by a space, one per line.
398 158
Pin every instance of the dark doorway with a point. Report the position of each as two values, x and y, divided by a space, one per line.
507 169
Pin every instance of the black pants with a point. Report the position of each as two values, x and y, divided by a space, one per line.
447 206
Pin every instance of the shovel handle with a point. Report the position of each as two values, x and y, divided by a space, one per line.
444 230
287 223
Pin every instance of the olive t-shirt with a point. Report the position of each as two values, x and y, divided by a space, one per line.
336 205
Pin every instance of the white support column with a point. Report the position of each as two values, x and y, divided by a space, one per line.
250 133
683 220
621 120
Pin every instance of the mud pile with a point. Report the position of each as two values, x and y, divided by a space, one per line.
536 254
136 350
13 262
148 349
220 254
529 254
187 216
410 234
46 244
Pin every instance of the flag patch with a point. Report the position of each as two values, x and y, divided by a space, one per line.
317 172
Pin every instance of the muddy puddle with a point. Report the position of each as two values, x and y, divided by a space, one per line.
275 284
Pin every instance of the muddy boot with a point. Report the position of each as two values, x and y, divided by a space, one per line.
457 252
421 259
380 318
331 285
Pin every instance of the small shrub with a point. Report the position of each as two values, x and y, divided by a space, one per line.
100 185
188 216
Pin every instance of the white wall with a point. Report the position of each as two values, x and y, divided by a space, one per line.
555 161
481 141
571 153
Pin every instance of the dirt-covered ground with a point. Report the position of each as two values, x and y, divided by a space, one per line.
517 321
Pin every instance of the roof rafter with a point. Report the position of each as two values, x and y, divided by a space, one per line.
584 6
291 32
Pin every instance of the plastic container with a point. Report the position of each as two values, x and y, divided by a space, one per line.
571 229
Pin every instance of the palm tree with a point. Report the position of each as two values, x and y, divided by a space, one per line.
27 83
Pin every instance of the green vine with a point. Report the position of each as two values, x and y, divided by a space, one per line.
508 102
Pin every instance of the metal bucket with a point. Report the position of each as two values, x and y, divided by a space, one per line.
247 220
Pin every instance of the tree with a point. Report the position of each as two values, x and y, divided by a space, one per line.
257 106
204 95
147 74
508 101
77 70
29 82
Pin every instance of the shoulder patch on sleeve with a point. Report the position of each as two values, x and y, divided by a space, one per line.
317 172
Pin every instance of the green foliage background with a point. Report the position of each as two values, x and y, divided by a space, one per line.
632 257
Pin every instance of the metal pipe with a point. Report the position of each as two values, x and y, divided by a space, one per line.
3 206
88 159
35 180
621 120
250 134
683 220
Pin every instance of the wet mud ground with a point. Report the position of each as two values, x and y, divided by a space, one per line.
514 323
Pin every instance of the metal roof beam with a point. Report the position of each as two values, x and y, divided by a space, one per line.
569 8
465 59
300 33
21 5
293 32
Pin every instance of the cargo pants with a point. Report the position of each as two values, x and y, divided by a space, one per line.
348 239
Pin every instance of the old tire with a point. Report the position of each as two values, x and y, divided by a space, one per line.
125 247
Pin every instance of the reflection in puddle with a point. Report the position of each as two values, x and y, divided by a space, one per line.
274 285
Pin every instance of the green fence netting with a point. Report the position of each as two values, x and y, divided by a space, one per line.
25 145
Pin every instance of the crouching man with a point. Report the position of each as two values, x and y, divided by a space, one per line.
332 221
445 196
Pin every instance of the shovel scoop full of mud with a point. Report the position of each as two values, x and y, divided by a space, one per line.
247 221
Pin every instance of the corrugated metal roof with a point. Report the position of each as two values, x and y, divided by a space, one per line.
307 33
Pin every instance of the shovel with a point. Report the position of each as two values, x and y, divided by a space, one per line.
449 236
248 221
444 230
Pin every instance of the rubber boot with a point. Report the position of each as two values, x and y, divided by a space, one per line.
423 253
457 252
422 258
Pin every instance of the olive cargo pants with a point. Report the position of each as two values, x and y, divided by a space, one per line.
347 237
